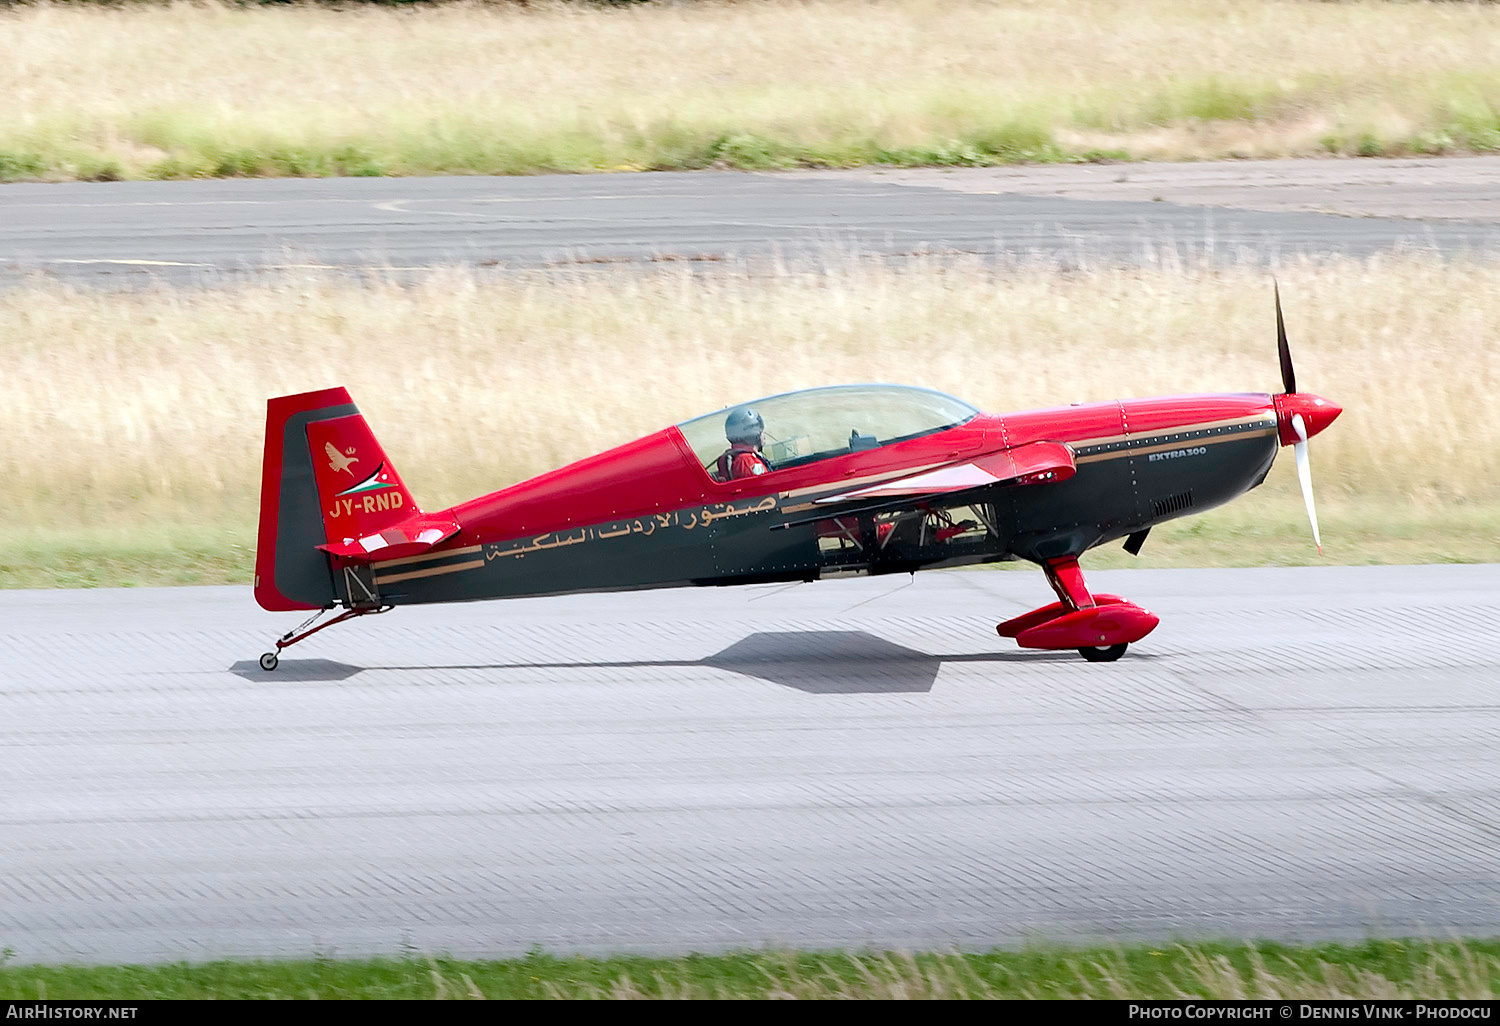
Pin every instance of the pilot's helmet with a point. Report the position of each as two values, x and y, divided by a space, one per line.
744 425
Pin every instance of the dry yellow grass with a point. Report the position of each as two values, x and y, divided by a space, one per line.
148 408
208 89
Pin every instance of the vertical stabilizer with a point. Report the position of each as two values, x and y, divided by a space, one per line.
324 480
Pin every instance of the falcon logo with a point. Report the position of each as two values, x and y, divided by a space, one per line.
337 461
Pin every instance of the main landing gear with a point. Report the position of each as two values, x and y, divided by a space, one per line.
269 660
1104 653
1099 626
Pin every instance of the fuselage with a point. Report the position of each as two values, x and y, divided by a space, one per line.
648 514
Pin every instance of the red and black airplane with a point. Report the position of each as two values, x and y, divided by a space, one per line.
856 479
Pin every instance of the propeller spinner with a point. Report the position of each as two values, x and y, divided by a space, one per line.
1299 416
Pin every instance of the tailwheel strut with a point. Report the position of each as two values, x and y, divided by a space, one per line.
305 630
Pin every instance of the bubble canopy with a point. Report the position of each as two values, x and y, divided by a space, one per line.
819 423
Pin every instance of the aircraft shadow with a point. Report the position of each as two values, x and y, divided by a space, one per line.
816 662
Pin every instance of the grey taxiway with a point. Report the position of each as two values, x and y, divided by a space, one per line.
124 233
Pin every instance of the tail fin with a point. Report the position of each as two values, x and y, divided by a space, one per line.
327 485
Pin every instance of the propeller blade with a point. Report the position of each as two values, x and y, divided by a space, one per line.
1304 476
1288 377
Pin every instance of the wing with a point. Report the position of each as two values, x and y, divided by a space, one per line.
1033 463
333 454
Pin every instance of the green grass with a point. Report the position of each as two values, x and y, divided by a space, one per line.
982 136
138 555
487 149
1269 528
1373 969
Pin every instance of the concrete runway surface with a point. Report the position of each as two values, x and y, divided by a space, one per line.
1295 753
130 233
1425 188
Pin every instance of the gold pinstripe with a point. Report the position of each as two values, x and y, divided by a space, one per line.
473 564
1269 417
1180 444
424 557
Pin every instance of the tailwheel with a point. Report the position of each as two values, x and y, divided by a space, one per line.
269 660
1103 653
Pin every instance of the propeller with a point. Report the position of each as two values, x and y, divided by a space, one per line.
1288 376
1290 408
1304 477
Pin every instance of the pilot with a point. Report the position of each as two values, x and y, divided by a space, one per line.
745 430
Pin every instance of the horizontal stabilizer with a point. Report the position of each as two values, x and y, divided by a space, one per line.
1034 463
408 538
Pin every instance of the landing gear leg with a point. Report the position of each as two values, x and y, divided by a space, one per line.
1098 627
1066 579
269 660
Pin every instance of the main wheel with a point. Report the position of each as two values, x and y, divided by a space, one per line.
268 661
1102 653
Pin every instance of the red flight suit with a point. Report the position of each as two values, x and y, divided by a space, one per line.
742 460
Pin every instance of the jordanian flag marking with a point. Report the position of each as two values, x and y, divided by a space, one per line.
373 483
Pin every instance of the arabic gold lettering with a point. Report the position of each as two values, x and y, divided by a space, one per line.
731 510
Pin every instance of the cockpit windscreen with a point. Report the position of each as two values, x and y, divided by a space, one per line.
818 423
